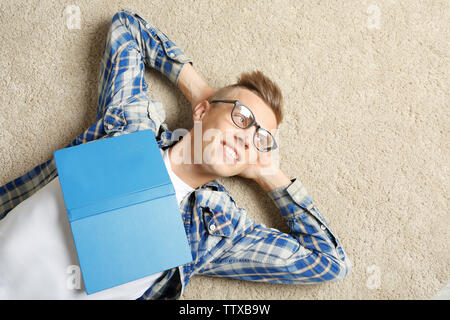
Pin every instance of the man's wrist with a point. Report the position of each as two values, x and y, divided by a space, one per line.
269 182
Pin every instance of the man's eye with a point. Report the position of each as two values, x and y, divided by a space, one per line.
241 121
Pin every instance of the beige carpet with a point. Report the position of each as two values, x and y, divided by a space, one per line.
366 85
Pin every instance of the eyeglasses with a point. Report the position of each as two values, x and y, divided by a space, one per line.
244 118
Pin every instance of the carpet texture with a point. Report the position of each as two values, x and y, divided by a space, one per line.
366 129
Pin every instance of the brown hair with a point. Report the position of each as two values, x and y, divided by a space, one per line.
260 85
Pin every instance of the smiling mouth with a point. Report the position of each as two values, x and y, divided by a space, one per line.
230 152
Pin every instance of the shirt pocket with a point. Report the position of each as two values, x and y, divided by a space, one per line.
217 223
216 234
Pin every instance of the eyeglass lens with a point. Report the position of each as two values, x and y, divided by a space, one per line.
243 118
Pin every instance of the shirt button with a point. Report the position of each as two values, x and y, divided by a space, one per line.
212 227
323 227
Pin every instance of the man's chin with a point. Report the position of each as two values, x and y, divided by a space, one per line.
226 170
223 167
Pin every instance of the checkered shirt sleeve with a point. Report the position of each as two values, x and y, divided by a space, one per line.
309 253
123 103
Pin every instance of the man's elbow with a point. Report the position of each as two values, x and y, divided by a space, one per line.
323 268
343 266
333 269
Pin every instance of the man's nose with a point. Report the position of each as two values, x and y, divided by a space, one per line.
245 137
242 142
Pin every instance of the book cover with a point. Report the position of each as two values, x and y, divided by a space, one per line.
122 209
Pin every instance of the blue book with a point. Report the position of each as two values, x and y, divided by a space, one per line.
122 209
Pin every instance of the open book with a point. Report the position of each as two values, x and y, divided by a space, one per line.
122 209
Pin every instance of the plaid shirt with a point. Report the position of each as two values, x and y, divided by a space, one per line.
224 240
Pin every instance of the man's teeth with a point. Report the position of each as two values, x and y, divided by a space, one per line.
230 152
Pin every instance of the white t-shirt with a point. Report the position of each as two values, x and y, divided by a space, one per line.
38 259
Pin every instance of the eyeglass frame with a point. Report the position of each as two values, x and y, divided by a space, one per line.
237 103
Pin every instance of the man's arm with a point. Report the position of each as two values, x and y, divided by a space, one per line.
309 253
271 182
192 85
130 41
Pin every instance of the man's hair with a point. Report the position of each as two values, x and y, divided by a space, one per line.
260 85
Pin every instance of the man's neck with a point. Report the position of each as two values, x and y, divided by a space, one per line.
192 174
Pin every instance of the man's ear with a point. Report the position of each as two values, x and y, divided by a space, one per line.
200 110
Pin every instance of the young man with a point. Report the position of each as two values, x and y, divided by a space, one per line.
235 137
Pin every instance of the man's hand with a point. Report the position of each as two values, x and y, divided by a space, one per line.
192 85
265 172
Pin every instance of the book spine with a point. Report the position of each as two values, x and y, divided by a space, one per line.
109 204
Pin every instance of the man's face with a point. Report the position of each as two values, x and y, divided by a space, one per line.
227 149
